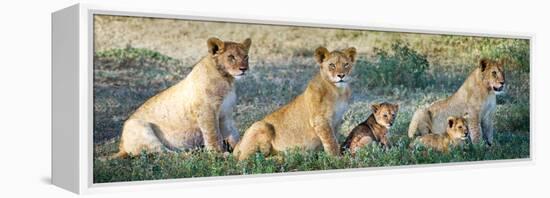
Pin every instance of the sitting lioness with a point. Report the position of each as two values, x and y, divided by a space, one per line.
374 129
454 135
475 97
195 112
310 121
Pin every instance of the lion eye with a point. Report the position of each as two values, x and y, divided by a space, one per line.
231 57
385 115
494 73
346 65
332 66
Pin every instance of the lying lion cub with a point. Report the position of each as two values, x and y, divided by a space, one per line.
374 129
196 111
455 134
310 121
475 97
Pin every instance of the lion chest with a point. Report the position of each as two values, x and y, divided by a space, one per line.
340 107
228 103
488 106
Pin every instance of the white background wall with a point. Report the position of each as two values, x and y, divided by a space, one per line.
25 96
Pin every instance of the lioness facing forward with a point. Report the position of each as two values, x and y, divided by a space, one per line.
475 97
196 111
310 121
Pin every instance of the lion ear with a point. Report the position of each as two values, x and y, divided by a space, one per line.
451 121
247 42
215 46
396 106
321 54
375 107
351 53
466 115
483 64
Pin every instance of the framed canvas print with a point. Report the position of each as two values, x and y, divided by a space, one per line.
145 97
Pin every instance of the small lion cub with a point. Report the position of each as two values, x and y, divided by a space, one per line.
374 129
455 134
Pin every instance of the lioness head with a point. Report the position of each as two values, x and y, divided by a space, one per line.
231 56
336 66
385 113
493 74
457 127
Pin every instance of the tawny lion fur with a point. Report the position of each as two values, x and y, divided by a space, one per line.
195 112
374 129
476 97
454 135
311 120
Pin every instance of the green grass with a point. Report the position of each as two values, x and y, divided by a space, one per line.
203 163
409 69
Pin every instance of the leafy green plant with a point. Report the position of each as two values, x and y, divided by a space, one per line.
402 66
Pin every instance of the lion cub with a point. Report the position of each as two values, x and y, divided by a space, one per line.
195 112
310 121
374 129
455 134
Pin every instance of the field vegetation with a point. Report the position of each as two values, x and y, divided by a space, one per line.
135 58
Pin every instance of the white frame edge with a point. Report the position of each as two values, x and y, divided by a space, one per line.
65 112
72 152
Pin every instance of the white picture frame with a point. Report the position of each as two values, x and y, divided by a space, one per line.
72 102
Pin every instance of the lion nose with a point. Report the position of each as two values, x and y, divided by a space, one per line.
243 69
341 75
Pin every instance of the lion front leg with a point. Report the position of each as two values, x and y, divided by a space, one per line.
487 127
209 124
474 128
325 133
